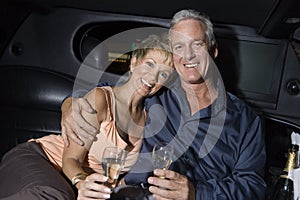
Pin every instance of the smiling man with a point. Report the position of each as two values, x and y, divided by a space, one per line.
219 142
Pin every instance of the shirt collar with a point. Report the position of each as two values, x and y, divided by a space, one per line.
217 106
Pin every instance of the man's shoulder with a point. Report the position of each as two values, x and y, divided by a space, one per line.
237 109
239 105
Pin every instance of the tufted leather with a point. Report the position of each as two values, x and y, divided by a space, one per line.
30 103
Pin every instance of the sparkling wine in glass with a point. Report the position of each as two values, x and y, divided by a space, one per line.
162 154
112 163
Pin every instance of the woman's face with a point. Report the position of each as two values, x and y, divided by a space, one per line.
151 73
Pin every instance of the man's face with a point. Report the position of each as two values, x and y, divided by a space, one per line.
189 45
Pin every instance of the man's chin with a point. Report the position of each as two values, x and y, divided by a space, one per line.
193 80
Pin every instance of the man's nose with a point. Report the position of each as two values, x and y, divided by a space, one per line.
189 53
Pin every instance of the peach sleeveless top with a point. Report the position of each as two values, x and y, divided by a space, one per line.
53 145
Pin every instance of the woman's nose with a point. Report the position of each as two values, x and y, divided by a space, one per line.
152 76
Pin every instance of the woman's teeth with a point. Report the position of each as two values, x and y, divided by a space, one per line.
146 83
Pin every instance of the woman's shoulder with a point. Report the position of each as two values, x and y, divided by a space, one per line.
103 94
100 99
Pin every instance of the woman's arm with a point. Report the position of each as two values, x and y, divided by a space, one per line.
74 154
73 158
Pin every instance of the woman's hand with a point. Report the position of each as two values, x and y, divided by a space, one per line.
72 122
173 186
93 188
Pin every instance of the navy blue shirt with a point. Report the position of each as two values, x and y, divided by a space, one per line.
220 148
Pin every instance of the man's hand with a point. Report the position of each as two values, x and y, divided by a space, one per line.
173 186
72 122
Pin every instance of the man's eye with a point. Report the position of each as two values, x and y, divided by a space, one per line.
177 47
199 44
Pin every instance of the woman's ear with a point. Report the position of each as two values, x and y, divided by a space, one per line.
132 63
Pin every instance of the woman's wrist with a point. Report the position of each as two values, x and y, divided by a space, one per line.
78 177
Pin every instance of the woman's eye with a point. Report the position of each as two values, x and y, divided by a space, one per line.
150 64
164 75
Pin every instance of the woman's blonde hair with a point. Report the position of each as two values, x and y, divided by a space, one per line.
157 43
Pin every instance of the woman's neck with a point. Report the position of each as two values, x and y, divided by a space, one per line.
129 110
127 96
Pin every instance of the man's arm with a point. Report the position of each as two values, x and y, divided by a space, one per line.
73 123
246 180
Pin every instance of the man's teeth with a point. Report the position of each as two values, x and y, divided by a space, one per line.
146 83
191 65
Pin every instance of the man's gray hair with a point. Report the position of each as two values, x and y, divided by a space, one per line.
201 17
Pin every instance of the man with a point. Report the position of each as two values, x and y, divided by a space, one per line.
218 140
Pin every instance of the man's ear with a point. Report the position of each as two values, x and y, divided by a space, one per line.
213 50
132 63
216 53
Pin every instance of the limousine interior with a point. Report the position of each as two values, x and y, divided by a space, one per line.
44 44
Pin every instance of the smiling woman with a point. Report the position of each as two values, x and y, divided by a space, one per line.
120 118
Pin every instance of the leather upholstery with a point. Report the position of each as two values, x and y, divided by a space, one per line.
30 103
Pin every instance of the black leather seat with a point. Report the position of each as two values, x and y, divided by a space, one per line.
30 103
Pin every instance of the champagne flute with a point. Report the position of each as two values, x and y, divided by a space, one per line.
113 160
162 154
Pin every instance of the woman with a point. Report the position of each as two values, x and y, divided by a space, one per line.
25 171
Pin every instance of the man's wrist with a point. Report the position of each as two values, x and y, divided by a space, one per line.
67 102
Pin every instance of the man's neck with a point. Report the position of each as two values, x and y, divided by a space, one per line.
199 95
